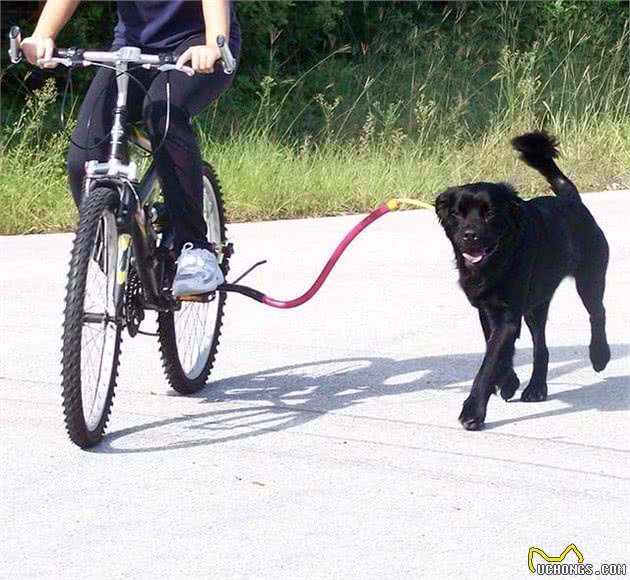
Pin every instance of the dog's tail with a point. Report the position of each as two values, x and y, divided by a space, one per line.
539 150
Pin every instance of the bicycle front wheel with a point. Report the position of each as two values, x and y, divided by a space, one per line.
91 330
189 337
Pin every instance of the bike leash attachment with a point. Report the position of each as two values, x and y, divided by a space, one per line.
389 206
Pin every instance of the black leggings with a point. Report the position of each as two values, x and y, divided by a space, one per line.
178 160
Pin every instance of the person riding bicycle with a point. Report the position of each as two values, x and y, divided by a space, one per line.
189 29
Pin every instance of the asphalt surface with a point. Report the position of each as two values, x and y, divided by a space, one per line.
327 444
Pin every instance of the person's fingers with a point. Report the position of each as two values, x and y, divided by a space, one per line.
184 58
207 62
202 59
40 49
29 50
49 47
213 57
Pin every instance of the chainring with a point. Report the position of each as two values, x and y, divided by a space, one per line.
134 302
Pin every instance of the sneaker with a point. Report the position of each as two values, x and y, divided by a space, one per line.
198 272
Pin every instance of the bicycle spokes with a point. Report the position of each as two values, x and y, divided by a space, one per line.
99 331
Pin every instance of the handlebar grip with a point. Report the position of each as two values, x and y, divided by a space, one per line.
15 40
229 62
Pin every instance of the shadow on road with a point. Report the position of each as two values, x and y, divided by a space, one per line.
289 396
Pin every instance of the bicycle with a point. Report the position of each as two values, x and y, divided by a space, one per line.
123 262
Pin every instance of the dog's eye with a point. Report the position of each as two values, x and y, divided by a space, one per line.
489 215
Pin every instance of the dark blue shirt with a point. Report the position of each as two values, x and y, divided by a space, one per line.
159 24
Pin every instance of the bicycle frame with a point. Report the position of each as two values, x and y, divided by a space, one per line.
133 223
149 267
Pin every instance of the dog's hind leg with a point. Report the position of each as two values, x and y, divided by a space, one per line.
509 383
590 281
536 321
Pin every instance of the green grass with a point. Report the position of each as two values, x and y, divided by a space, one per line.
352 131
263 179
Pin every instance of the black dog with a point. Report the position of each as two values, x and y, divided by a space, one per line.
511 256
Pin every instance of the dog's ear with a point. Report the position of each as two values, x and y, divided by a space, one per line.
443 203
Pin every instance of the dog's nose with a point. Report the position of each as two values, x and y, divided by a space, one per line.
470 236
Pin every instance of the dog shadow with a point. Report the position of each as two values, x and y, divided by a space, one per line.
290 396
609 394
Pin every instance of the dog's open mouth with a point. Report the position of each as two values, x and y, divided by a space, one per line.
475 257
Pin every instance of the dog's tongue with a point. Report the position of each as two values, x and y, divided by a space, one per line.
473 258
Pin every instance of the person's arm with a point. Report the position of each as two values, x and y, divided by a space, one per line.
52 19
216 16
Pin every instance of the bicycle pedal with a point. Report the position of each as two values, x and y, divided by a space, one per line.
195 297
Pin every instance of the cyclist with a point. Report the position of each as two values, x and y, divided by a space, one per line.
188 28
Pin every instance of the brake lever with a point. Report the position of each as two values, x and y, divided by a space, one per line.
168 67
59 60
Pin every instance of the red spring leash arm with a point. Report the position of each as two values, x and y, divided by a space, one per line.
354 232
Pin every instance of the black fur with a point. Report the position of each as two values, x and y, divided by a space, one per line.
511 256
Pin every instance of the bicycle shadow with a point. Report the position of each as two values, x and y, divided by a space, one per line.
290 396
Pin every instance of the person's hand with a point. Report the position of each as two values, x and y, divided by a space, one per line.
202 58
39 47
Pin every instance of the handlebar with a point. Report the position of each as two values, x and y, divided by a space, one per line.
15 40
127 54
229 63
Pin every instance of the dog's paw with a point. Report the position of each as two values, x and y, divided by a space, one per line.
600 355
535 393
472 416
509 386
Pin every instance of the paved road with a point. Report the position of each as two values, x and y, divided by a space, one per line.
327 445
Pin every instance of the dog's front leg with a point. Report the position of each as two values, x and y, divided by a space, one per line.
508 383
496 363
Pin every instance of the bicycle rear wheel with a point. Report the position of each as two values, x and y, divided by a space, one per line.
189 337
91 331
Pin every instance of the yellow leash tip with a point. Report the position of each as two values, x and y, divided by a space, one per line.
392 204
408 201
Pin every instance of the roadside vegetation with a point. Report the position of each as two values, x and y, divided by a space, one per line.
403 98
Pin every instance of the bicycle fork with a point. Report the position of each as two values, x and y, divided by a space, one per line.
122 270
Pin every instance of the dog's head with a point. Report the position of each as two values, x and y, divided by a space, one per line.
479 219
